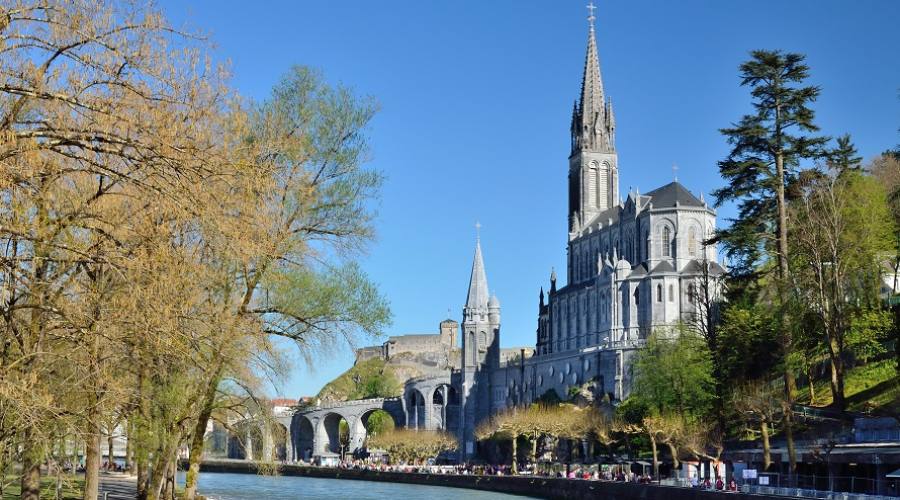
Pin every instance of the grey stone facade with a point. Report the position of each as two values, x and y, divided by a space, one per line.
634 266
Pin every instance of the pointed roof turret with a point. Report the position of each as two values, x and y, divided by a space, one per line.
478 287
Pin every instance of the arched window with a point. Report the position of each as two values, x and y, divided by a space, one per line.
692 242
637 296
666 241
659 293
671 294
690 293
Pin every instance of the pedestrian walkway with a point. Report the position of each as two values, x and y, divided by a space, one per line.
117 486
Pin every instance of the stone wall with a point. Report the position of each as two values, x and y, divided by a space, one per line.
549 488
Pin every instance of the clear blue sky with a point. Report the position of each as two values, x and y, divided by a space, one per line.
476 99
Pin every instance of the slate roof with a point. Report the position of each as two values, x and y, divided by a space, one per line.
664 267
695 267
638 270
666 196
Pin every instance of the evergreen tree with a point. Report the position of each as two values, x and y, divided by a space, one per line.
844 157
768 148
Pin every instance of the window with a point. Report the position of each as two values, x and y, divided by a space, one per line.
692 242
666 242
671 294
637 296
659 294
690 293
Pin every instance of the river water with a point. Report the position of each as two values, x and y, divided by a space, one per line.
223 486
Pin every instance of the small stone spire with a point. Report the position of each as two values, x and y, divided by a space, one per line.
552 280
478 287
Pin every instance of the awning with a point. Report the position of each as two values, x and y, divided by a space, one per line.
894 475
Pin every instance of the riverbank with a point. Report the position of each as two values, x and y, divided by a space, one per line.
541 487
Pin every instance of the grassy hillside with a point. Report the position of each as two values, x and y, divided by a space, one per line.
373 378
872 387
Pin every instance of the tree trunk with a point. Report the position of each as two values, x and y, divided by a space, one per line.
812 386
674 451
129 450
196 450
783 271
515 449
533 456
767 453
161 462
655 457
31 469
837 372
789 437
140 467
92 464
109 446
169 488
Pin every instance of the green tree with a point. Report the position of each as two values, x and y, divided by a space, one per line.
673 374
294 224
844 157
767 149
379 421
842 229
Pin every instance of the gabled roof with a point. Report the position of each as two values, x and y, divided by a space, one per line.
694 266
638 270
668 195
664 267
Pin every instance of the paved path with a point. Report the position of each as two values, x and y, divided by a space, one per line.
119 486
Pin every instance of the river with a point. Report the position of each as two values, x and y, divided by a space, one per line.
224 486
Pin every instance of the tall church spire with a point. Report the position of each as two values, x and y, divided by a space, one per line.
593 163
591 82
591 124
478 287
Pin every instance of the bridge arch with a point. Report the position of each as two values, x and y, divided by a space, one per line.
303 434
316 431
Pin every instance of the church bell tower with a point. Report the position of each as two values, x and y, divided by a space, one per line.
593 162
480 353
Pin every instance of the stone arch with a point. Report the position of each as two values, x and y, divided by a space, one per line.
332 441
305 438
415 408
665 235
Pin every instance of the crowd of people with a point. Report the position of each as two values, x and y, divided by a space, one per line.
566 471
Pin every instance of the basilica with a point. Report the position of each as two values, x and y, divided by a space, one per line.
634 267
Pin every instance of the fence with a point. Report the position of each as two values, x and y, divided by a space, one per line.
833 487
837 484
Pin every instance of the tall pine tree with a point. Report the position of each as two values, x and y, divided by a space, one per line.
768 147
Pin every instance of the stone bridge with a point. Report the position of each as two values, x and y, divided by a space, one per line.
265 439
316 431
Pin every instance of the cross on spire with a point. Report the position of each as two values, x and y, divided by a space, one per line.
590 8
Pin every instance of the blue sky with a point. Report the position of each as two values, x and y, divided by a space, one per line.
476 98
